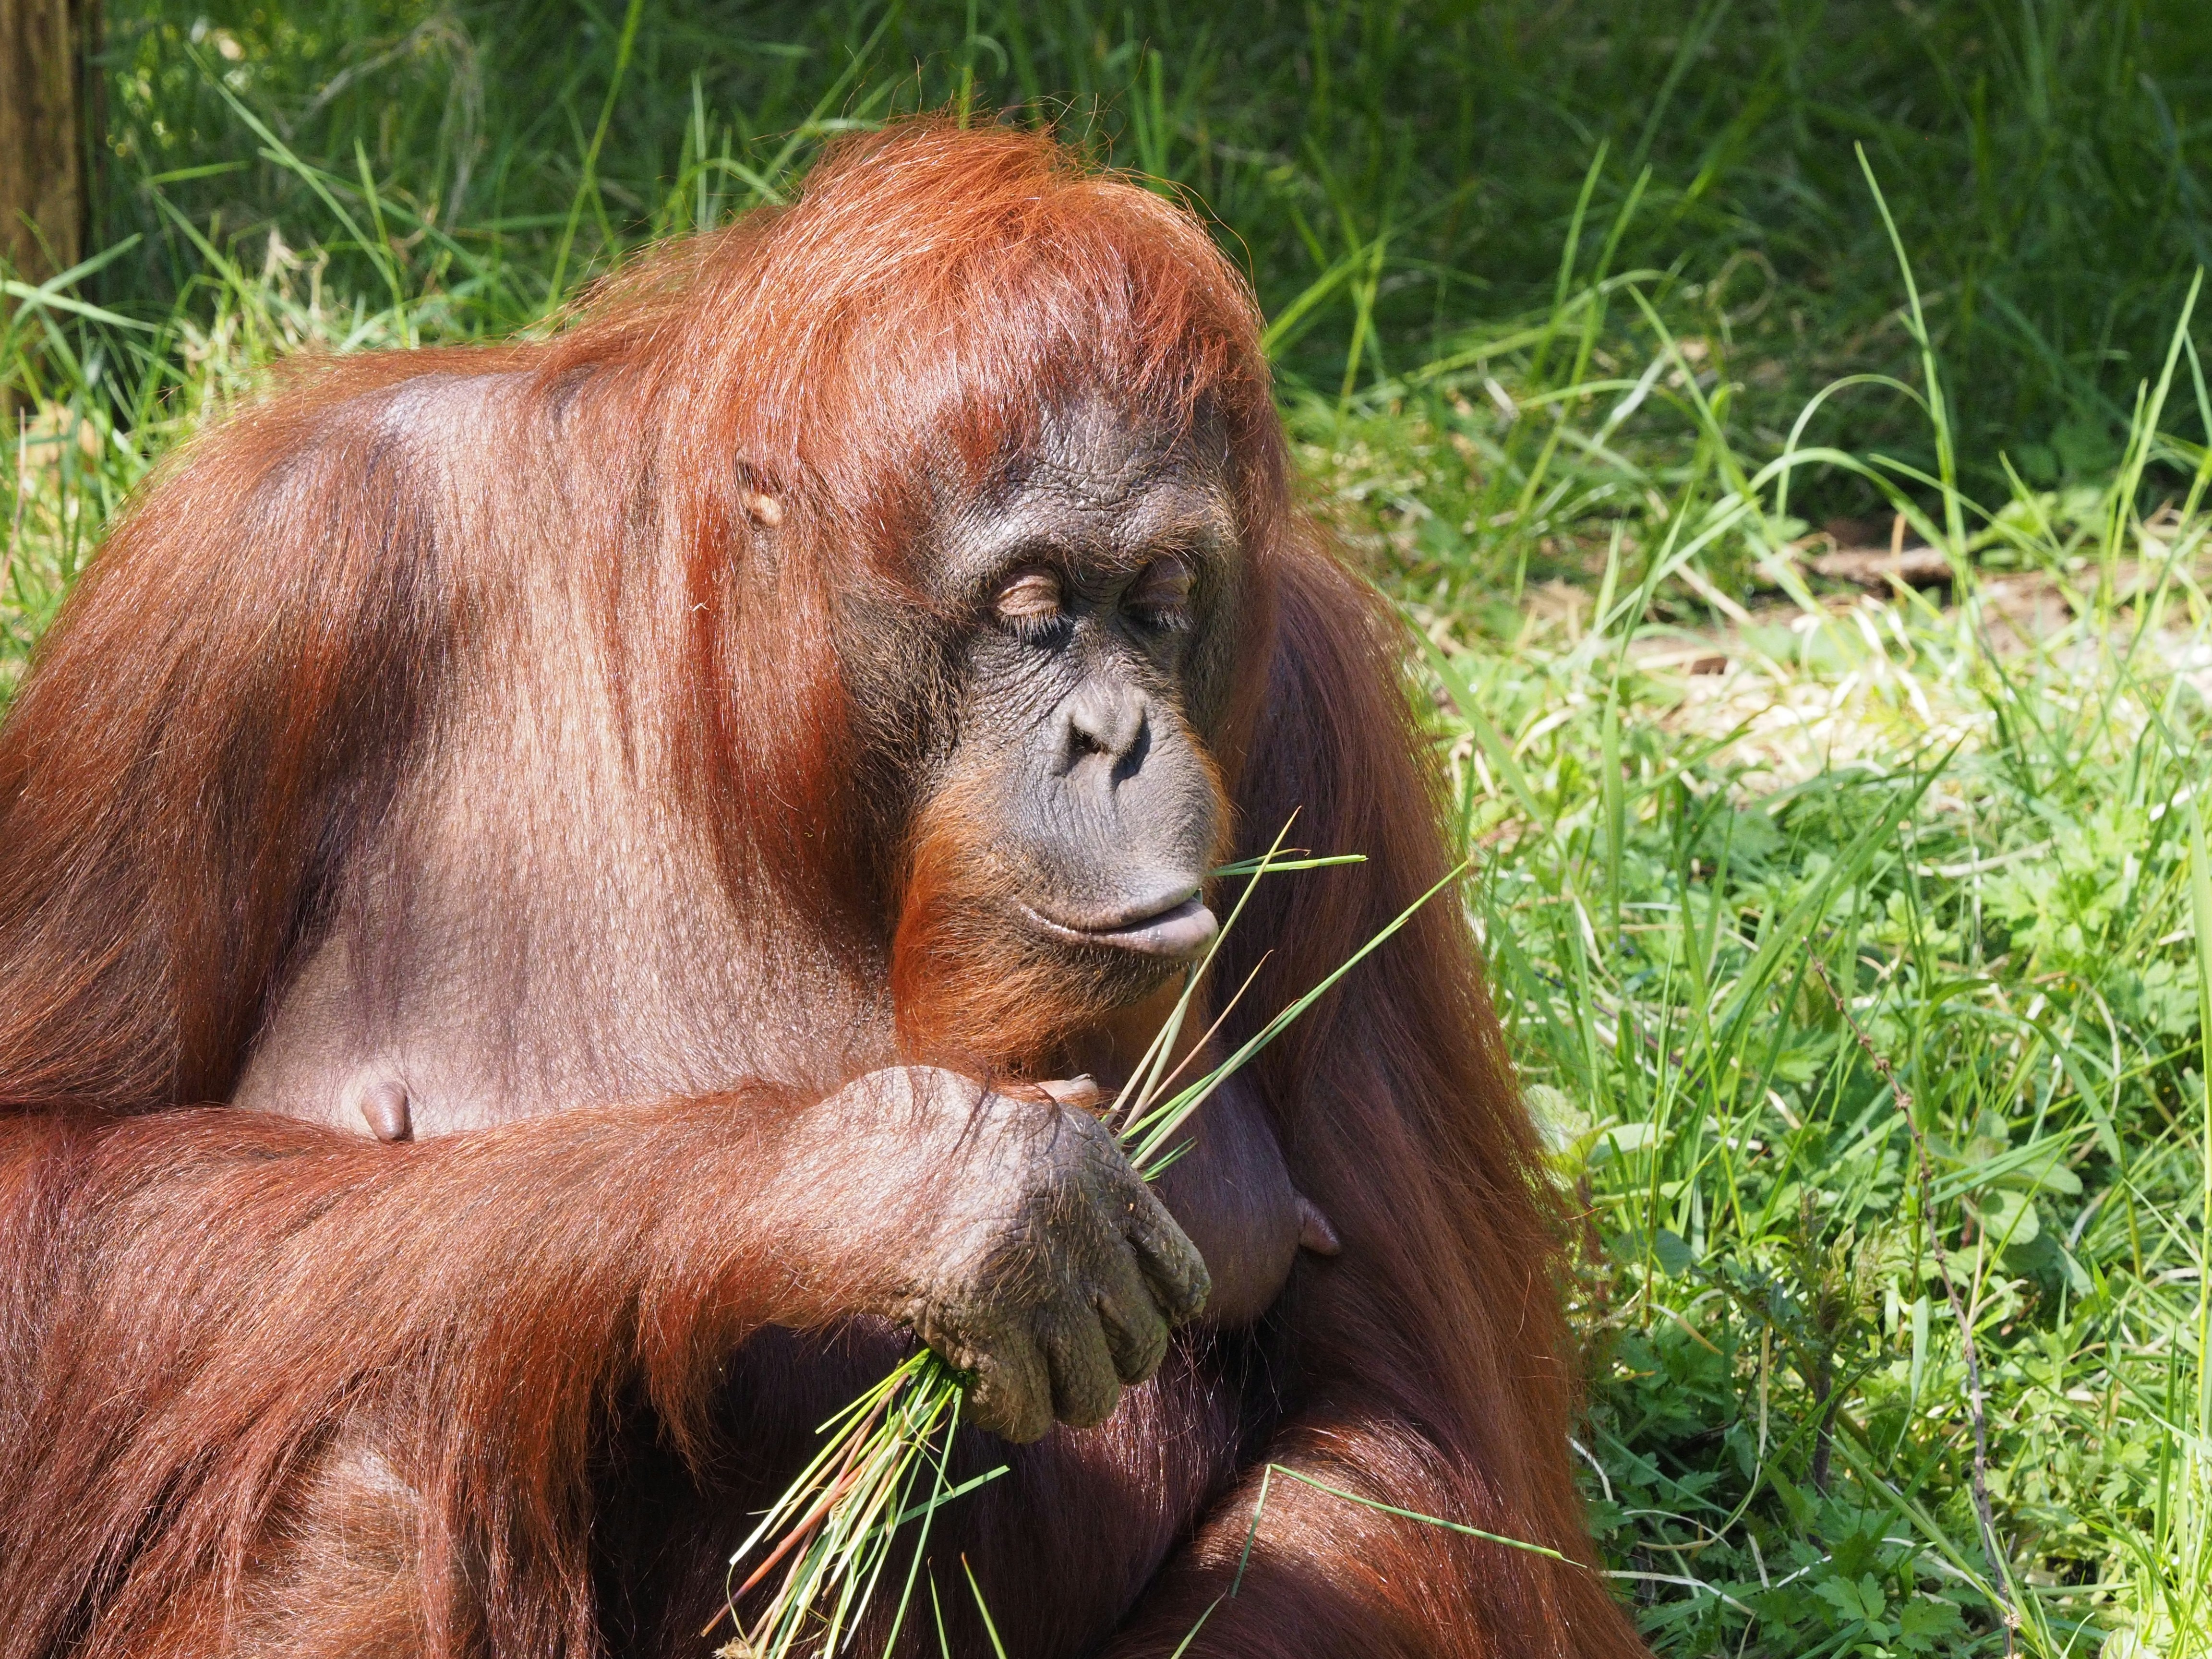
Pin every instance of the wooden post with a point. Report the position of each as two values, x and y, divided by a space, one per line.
43 49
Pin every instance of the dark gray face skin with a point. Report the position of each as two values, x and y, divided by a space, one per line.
1077 620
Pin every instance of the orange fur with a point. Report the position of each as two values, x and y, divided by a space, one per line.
268 1388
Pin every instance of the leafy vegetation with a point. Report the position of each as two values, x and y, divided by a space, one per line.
1854 951
1854 946
1424 158
1860 985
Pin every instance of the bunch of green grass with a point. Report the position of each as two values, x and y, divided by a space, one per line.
882 1461
1999 879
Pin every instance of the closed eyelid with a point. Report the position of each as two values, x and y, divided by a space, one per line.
1028 591
1165 583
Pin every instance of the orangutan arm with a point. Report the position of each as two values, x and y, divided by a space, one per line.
200 1305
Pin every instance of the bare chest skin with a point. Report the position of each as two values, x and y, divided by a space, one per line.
420 1067
1230 1185
1233 1192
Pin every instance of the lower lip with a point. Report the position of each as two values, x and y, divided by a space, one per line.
1173 935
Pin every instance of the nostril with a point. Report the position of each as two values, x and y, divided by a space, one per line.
1090 735
1108 721
1082 740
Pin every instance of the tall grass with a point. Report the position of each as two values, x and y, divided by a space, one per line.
1855 950
2051 161
1831 928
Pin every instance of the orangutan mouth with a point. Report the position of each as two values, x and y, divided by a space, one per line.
1177 933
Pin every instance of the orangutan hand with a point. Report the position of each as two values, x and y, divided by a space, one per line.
1016 1240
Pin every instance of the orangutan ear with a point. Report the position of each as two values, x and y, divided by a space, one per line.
760 498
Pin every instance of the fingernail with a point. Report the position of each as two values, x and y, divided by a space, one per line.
1080 1092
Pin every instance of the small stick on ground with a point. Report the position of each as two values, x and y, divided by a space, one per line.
1902 1097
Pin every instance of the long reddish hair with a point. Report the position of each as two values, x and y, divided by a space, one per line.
277 637
899 329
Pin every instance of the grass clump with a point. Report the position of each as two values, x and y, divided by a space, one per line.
1855 950
1710 943
1424 159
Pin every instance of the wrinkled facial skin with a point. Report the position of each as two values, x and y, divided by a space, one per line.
1073 630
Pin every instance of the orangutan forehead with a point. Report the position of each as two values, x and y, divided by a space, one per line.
1094 455
1096 522
1098 438
1100 494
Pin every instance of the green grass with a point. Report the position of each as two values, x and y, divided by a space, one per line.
1890 852
1987 858
1893 850
1425 159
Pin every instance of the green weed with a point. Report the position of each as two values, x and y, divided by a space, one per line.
2049 162
1860 986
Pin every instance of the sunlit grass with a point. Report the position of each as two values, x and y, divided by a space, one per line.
2047 160
1735 863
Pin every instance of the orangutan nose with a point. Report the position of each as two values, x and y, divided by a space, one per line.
1107 719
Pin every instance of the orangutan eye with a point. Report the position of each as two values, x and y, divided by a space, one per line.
1161 594
1028 600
